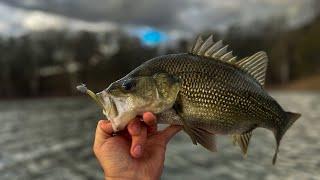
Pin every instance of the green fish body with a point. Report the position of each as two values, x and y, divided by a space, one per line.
216 94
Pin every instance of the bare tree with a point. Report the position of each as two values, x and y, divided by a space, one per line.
317 7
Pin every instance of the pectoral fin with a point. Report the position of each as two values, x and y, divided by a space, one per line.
243 141
190 132
201 136
204 138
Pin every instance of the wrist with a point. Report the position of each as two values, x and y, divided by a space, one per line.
130 178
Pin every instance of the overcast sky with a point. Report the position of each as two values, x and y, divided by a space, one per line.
189 15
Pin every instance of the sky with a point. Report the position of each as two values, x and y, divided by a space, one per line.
20 16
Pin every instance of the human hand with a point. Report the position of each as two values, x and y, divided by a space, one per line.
138 152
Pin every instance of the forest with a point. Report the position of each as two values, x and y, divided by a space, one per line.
52 63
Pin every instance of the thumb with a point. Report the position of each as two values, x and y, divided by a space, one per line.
169 132
103 132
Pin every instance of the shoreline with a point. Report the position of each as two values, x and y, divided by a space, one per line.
269 90
309 84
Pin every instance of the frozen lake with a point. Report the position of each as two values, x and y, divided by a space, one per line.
52 139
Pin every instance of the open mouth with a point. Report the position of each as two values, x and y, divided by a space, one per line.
109 106
113 108
103 100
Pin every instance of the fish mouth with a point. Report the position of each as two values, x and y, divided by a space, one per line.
109 106
106 102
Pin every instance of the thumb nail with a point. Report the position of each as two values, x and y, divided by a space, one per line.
103 125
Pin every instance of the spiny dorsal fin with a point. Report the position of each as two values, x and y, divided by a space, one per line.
196 45
255 65
211 49
243 141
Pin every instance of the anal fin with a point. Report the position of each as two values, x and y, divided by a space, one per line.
243 141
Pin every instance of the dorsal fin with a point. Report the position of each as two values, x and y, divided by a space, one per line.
255 65
196 45
211 49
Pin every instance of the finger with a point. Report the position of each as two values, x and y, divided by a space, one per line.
138 131
149 118
124 133
103 132
169 132
134 127
151 121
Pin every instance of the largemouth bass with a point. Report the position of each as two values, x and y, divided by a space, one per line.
208 91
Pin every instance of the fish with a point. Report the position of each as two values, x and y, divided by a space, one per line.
207 91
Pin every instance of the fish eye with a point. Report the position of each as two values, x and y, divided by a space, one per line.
128 85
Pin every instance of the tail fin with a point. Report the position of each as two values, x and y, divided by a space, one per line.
291 118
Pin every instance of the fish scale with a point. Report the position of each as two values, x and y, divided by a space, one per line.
207 91
204 80
221 97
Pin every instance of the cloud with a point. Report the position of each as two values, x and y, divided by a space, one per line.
185 15
218 14
39 21
16 21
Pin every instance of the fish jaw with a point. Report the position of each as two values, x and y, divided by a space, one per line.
120 111
108 106
116 111
152 94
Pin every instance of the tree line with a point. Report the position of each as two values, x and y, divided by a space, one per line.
52 63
